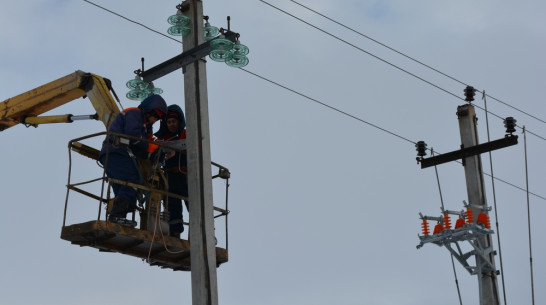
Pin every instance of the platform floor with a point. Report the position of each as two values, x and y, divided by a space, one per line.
168 252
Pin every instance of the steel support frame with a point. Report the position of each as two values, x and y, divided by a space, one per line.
471 233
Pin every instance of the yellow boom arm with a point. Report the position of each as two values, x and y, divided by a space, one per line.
26 107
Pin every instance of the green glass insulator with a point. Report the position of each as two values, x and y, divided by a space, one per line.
210 31
178 30
137 83
221 44
237 61
220 55
154 91
137 94
239 49
179 19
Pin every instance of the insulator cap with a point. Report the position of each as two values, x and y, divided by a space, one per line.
510 124
237 61
438 229
210 31
179 24
469 93
484 220
421 148
459 223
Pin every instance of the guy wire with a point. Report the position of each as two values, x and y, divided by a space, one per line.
529 218
442 201
494 198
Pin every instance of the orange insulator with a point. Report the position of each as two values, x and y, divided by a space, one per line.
469 216
424 226
438 229
447 222
484 220
459 223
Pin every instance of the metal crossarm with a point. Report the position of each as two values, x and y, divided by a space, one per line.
470 232
182 60
469 151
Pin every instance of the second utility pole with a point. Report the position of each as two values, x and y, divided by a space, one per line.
201 232
487 279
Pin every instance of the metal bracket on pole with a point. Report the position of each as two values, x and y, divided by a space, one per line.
182 60
470 232
469 151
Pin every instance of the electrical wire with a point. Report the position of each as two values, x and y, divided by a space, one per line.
529 219
138 23
383 60
383 129
347 114
495 200
452 260
328 106
411 58
375 126
362 50
379 58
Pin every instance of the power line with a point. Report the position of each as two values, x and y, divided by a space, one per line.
378 42
434 85
452 261
138 23
526 113
318 102
362 50
385 61
411 58
331 107
268 80
380 128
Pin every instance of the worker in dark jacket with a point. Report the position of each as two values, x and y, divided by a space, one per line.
119 158
174 128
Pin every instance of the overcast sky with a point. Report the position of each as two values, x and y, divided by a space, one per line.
324 207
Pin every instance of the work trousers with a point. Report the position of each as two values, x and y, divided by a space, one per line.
123 167
179 186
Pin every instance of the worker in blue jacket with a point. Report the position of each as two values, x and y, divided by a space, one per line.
174 128
119 158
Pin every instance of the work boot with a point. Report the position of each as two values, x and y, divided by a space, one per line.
122 221
118 214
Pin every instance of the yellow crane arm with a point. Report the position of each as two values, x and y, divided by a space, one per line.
26 107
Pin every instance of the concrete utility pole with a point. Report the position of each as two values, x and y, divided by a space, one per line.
202 239
489 292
